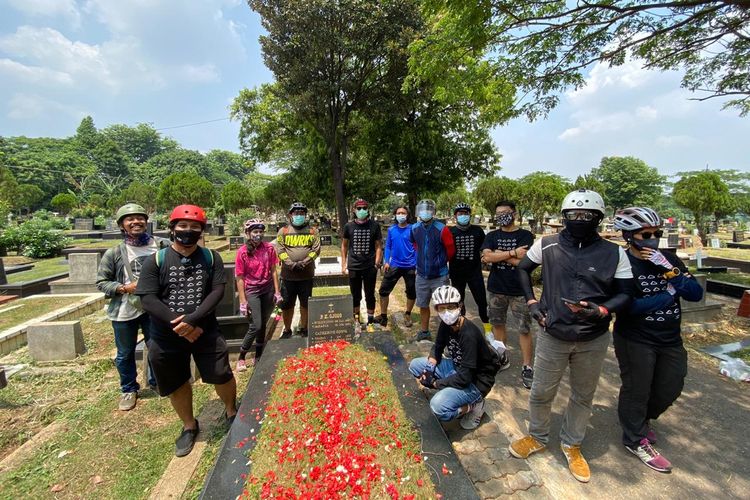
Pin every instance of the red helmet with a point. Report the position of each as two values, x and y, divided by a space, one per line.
361 203
188 212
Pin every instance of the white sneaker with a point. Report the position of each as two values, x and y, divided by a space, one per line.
474 416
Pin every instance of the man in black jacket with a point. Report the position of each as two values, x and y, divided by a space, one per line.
585 279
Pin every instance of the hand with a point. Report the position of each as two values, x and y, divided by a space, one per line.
129 288
344 270
193 336
535 310
386 267
277 298
656 257
243 308
182 329
520 252
303 263
672 291
291 264
587 310
427 378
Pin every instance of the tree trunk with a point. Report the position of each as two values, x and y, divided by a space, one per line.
338 185
412 201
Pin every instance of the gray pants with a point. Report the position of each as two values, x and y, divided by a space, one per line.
553 356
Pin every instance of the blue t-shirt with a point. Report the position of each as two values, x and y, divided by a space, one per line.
399 250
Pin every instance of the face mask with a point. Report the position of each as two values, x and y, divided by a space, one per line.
137 241
255 238
425 215
652 243
450 317
400 219
187 238
298 220
463 219
581 229
504 220
362 214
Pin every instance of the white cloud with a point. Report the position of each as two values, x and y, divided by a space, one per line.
668 141
204 73
595 124
646 113
33 74
23 106
65 9
629 75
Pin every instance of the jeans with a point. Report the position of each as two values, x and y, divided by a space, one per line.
475 280
652 379
446 403
126 337
260 307
553 356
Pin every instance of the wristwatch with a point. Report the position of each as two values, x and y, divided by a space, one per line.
671 274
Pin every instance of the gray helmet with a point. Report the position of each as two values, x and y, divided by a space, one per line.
636 218
297 205
130 209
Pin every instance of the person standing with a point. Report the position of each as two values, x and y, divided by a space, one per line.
586 279
117 278
297 245
361 256
180 287
465 268
503 249
400 262
648 345
433 242
258 288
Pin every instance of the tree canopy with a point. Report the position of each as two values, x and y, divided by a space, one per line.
628 182
704 194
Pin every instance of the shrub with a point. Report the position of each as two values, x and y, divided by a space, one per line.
56 222
64 202
35 238
236 222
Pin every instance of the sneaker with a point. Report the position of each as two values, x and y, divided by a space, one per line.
241 365
185 442
424 335
576 463
127 401
472 418
504 362
383 320
527 376
522 448
407 320
650 456
286 334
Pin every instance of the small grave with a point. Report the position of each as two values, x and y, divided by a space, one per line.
326 240
55 341
330 318
83 224
82 275
111 225
236 242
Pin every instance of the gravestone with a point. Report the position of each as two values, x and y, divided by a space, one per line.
326 240
151 226
3 380
3 278
673 240
83 224
236 242
738 236
715 243
330 318
83 267
55 340
110 225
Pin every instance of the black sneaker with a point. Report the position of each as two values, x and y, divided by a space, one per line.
504 362
424 335
527 376
184 443
286 334
382 320
230 420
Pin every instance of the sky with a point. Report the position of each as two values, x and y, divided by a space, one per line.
173 62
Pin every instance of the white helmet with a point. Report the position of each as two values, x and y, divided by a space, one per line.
446 294
636 218
583 199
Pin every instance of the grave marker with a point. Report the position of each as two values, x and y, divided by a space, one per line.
236 242
3 278
55 341
326 240
738 236
83 267
111 225
330 318
83 224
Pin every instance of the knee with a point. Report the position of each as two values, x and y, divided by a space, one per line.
442 408
417 366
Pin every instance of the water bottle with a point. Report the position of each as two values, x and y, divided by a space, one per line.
735 368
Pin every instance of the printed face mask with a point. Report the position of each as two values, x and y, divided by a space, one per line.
400 218
504 219
187 238
450 317
463 219
362 213
298 220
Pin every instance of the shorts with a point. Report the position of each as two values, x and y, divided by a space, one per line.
291 290
391 277
170 360
425 287
498 312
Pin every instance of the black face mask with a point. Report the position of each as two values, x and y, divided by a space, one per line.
581 229
188 237
652 243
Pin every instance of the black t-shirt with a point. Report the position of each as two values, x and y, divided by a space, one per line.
362 238
658 327
471 354
181 283
468 243
503 275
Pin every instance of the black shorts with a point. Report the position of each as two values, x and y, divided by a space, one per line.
391 277
170 360
291 290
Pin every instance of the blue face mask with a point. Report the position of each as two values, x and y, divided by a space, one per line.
400 219
298 220
425 215
463 219
362 213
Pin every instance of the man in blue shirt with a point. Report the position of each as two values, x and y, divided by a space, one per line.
400 262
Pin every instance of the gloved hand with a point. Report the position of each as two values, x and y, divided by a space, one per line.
656 257
303 263
535 310
243 308
291 264
672 291
277 298
590 311
428 377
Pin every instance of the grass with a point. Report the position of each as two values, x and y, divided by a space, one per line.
727 253
41 269
736 278
328 291
743 354
12 315
95 243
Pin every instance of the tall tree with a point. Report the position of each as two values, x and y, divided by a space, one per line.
493 189
184 187
235 196
543 47
704 194
628 181
330 60
540 194
139 143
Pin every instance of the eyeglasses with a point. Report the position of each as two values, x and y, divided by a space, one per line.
646 235
584 215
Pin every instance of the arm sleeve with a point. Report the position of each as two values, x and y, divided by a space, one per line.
447 238
148 290
280 246
106 275
686 285
466 368
525 268
315 247
624 291
488 243
387 249
208 305
651 303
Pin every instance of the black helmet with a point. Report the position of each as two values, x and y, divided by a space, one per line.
461 206
297 205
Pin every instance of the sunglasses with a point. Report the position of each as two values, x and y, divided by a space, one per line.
646 235
579 215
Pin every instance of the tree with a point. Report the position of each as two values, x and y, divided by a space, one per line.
8 186
229 166
704 194
330 60
543 47
450 198
139 143
628 182
27 197
493 189
235 196
158 167
539 194
185 187
591 183
64 202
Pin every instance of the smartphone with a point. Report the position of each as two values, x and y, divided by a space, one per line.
571 302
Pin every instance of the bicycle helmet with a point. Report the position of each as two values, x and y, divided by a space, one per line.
445 294
254 224
360 203
130 209
583 199
188 212
297 205
461 206
636 218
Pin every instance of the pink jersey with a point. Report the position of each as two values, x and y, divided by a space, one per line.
256 268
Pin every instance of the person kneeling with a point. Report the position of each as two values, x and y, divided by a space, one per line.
463 378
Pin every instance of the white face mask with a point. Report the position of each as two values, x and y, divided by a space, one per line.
450 317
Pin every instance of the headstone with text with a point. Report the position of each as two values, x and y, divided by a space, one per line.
326 240
330 318
236 242
83 224
738 236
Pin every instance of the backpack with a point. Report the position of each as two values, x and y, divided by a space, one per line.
207 254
